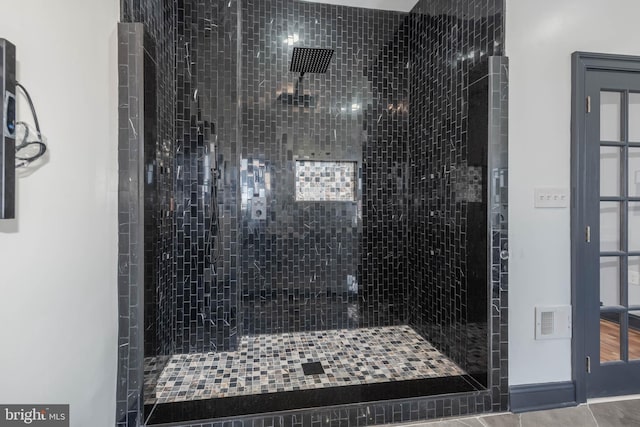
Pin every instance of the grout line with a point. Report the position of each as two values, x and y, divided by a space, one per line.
592 416
150 413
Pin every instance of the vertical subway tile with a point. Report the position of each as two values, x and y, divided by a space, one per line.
221 132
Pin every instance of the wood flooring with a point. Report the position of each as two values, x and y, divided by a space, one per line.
610 342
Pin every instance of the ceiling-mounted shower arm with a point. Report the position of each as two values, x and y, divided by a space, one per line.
298 85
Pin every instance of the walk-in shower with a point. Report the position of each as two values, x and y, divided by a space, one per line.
312 207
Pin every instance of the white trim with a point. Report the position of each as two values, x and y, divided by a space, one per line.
613 399
397 5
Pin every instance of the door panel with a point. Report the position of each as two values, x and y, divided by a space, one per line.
611 201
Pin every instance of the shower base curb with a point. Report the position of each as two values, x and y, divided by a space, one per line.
355 396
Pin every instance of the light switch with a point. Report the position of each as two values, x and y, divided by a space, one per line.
551 198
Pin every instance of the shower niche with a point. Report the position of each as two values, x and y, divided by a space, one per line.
326 181
318 220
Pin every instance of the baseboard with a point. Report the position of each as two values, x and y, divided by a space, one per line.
535 397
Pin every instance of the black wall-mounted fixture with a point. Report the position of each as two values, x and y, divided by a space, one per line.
7 130
310 60
306 60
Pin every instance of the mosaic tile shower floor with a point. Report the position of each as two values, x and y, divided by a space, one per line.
273 363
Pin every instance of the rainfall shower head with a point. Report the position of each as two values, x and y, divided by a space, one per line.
306 60
310 60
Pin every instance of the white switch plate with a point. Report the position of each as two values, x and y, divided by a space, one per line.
551 198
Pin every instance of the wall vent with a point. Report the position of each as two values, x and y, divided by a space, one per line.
553 322
546 320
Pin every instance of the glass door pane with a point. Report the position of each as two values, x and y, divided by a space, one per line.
610 226
634 117
610 116
634 226
610 171
609 337
634 335
609 281
634 281
634 172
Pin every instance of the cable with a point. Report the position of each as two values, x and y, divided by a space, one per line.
42 148
24 144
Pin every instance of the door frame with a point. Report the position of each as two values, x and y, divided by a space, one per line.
583 62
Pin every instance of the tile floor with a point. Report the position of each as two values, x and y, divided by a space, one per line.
617 413
273 363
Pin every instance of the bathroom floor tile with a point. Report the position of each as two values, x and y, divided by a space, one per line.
274 363
621 413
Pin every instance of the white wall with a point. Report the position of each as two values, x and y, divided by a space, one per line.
399 5
541 36
58 305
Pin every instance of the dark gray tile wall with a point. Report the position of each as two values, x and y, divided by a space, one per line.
446 175
207 218
384 268
499 227
322 265
131 225
158 135
146 252
302 267
494 122
474 186
205 308
378 413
